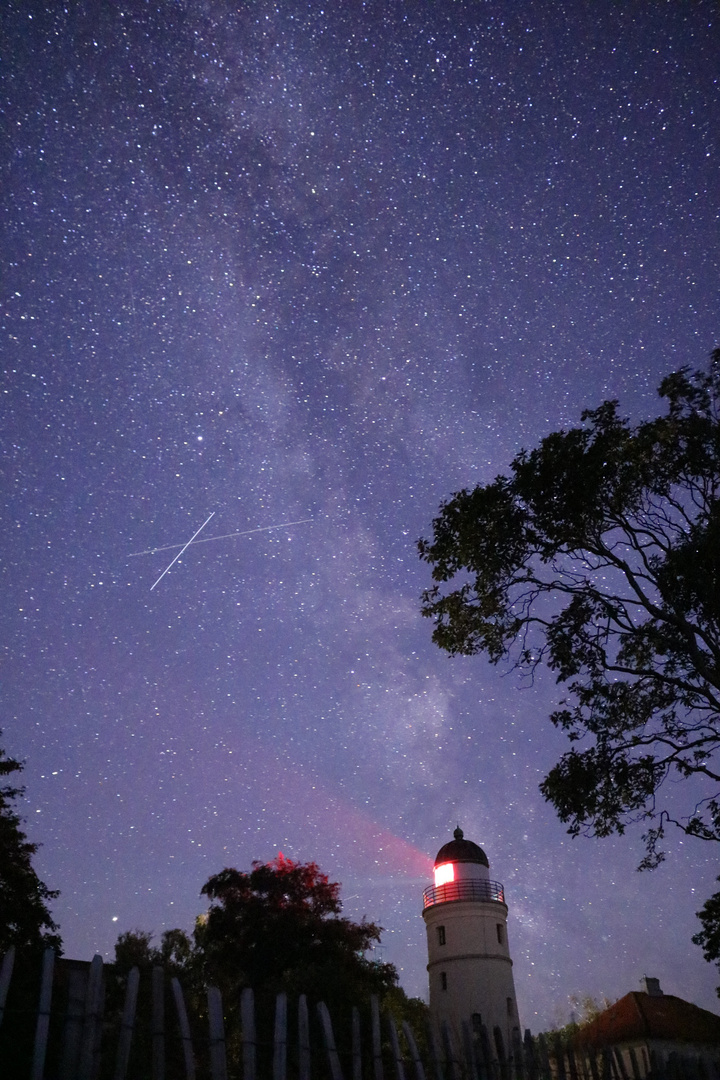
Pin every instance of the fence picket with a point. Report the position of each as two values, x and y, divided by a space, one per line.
329 1039
376 1043
572 1064
484 1054
73 1026
185 1035
452 1063
356 1046
606 1071
518 1058
559 1056
97 1046
499 1047
303 1039
637 1075
248 1037
433 1051
395 1043
93 1015
532 1066
158 1023
470 1057
218 1062
593 1061
43 1020
417 1062
280 1039
543 1057
127 1026
5 977
620 1065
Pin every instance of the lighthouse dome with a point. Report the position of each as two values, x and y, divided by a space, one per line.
461 850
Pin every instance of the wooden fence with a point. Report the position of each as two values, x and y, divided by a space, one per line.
55 1025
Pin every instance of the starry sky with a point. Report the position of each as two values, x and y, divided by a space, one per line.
310 268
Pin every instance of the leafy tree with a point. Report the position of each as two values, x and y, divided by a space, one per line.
279 928
584 1009
709 937
599 556
25 919
134 949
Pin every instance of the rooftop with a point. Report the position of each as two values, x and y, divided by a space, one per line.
651 1016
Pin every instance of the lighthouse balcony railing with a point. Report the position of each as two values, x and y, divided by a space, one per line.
464 890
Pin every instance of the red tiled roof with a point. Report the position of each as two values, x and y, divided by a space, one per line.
642 1016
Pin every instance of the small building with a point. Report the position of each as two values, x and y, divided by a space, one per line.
469 965
652 1030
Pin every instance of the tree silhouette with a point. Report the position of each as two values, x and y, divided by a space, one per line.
599 556
279 928
25 919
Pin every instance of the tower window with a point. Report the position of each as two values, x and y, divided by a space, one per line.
500 935
510 1009
443 980
441 935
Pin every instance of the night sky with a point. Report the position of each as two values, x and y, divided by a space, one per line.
325 265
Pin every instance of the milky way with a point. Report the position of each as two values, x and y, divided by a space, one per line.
326 264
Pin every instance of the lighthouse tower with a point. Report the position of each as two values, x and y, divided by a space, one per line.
470 969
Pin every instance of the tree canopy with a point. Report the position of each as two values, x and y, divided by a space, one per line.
598 555
275 928
279 928
134 948
25 919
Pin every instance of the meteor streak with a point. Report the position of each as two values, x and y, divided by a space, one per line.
210 539
180 552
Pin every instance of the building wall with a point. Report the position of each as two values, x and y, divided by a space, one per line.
467 948
666 1052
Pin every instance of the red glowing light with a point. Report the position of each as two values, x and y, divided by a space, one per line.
444 873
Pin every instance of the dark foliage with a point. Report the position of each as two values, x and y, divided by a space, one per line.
709 937
134 949
25 919
279 928
599 556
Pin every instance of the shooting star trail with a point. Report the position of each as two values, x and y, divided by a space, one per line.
210 539
180 552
